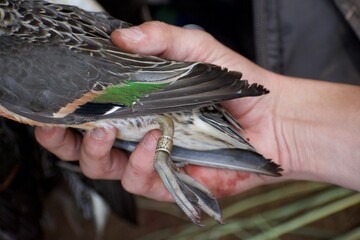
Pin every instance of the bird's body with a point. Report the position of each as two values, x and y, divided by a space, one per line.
58 67
199 135
191 130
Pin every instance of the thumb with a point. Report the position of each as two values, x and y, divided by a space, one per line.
158 38
176 43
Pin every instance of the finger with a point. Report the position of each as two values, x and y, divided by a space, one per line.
62 142
98 159
158 38
140 176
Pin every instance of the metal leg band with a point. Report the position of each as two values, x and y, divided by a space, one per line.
165 144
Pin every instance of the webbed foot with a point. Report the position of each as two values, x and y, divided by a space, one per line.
190 195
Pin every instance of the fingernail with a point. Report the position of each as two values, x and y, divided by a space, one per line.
193 26
98 133
150 141
133 34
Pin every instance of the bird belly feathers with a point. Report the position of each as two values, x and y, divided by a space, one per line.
191 131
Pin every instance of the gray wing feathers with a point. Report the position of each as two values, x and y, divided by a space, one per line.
233 159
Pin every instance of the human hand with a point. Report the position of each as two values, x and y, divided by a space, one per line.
99 160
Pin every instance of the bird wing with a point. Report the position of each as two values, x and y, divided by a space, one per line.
58 66
225 126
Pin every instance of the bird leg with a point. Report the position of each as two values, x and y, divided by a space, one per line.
189 195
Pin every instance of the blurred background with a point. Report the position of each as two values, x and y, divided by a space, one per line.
43 198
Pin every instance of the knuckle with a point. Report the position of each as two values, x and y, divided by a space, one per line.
92 174
91 153
130 186
158 25
156 28
97 171
137 168
96 168
95 151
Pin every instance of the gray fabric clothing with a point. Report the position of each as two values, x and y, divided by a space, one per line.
310 39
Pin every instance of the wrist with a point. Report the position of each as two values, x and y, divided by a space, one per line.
317 137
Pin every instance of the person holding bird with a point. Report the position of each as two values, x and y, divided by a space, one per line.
59 68
309 127
161 86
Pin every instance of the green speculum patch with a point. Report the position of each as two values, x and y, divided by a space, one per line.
128 92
